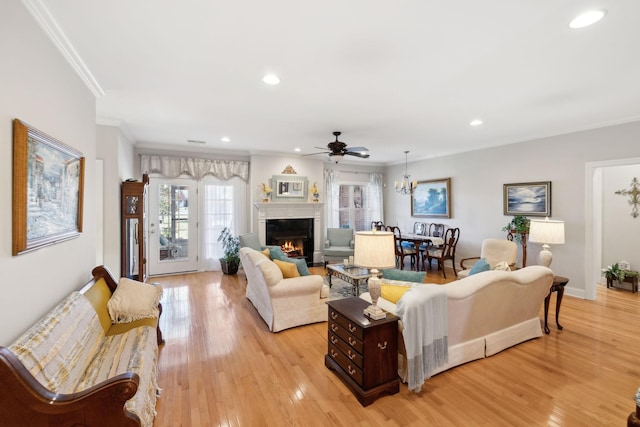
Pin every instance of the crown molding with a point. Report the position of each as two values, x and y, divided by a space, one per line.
43 17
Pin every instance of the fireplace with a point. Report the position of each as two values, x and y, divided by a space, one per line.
288 211
294 236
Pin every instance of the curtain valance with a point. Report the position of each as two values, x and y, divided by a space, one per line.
173 167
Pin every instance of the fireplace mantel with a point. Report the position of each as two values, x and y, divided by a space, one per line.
284 210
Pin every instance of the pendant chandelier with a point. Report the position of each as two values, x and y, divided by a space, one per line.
405 187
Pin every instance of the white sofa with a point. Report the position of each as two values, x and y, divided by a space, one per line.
486 313
283 303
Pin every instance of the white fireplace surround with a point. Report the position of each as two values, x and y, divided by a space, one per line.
282 210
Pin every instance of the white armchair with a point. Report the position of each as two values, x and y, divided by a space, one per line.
493 251
283 303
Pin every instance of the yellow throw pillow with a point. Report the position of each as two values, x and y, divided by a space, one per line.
267 253
393 293
288 269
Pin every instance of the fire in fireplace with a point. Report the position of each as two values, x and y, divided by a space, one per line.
294 236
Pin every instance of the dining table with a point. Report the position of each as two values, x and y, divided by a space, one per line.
418 239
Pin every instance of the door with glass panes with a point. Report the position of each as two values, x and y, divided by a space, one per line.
173 223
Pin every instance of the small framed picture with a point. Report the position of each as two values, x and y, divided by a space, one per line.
527 198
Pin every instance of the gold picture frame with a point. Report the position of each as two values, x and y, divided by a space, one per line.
48 188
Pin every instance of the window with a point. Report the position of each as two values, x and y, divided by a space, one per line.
354 209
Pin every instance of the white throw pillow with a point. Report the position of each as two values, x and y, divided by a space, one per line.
134 300
502 266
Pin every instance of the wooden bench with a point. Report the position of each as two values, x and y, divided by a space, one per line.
74 367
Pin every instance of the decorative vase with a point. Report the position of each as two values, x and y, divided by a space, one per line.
315 198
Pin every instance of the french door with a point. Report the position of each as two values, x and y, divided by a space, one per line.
173 226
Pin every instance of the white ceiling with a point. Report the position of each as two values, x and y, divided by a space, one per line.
391 75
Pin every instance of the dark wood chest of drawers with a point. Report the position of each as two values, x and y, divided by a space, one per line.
362 351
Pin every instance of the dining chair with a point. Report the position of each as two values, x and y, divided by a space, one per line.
418 228
436 230
401 252
445 252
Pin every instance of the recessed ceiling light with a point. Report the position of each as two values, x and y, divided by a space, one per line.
476 122
225 139
297 150
271 79
587 18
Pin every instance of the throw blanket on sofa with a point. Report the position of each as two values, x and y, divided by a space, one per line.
423 310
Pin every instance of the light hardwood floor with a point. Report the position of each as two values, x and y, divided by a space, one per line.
221 366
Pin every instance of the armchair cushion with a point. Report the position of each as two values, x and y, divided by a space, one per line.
270 271
250 240
300 263
288 269
133 300
481 265
393 293
404 275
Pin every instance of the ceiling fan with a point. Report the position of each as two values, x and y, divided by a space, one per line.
338 149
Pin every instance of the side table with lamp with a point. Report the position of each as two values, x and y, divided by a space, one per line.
363 339
549 232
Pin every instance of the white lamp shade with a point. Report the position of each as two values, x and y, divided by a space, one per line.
547 231
374 249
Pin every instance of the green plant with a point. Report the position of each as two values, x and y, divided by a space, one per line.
230 245
614 272
519 224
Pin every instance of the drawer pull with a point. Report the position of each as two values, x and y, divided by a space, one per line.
351 341
333 339
334 328
334 316
382 346
352 329
351 355
334 354
351 370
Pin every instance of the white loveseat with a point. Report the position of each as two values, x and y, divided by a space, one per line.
486 313
283 303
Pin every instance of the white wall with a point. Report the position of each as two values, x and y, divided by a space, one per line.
39 87
620 231
477 183
117 153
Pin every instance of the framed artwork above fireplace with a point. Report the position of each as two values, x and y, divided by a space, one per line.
290 188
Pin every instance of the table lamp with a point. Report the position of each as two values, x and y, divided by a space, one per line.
547 232
374 249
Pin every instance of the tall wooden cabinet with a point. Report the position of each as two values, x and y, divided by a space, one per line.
132 217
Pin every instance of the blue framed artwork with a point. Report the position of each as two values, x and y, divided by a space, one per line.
432 199
527 198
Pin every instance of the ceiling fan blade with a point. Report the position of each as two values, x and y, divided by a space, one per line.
313 154
357 154
321 148
359 149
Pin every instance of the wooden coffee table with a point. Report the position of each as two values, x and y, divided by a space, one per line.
356 276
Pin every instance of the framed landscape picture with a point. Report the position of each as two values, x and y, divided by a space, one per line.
432 199
48 180
527 198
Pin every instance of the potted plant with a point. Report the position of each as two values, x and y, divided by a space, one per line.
518 226
614 272
231 246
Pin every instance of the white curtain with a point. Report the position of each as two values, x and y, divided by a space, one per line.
332 199
173 167
375 198
224 203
